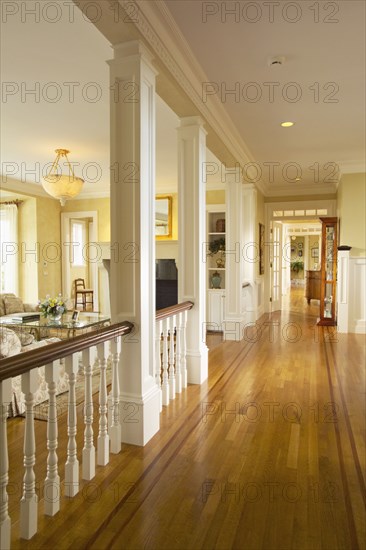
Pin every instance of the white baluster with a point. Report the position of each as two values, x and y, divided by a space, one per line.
158 360
103 437
165 382
29 500
52 481
171 359
184 349
178 356
88 466
72 463
5 522
115 429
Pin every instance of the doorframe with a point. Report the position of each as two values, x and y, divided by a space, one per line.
66 238
307 207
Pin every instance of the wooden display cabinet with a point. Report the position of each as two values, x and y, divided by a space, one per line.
328 272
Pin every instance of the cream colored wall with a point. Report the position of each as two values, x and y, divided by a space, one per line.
28 261
351 205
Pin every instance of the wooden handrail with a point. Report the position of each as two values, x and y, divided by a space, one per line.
26 361
173 310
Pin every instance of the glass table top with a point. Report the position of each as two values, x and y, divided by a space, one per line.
85 320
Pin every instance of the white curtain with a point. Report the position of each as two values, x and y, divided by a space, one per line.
9 248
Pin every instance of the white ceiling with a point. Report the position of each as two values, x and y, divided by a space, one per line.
234 52
38 54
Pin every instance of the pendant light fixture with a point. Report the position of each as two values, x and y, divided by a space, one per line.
62 186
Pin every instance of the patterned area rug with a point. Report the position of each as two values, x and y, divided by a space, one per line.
41 410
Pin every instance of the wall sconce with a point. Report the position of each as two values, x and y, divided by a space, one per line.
59 186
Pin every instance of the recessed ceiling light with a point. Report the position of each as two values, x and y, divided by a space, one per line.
287 124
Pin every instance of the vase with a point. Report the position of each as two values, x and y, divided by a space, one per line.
220 262
54 317
216 280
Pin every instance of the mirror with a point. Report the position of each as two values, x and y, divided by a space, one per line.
163 216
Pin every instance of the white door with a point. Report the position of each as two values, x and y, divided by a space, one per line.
215 309
276 265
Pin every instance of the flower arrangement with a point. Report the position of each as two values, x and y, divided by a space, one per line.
52 306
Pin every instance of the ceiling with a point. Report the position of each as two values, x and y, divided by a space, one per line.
320 85
48 57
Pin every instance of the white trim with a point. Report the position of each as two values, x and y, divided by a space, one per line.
66 238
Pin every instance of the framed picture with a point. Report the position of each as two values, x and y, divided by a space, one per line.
261 249
163 217
315 252
75 315
299 246
300 253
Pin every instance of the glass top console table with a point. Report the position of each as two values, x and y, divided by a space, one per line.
65 328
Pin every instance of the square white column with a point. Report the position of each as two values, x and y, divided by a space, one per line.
234 317
191 236
132 264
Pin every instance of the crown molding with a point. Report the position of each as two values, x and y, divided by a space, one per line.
24 188
158 28
297 190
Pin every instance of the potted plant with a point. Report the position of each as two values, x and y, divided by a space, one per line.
297 266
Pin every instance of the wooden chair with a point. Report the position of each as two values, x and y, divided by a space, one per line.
86 294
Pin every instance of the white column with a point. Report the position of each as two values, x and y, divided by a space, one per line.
250 252
234 317
343 291
132 79
192 215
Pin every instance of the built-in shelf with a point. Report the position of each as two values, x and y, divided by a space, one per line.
216 219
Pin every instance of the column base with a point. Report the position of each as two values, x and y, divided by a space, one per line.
197 365
139 417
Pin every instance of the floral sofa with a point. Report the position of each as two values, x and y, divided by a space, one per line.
14 341
10 304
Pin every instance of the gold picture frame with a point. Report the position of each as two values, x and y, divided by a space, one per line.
163 217
261 248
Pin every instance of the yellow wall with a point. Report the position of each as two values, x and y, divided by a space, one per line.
314 242
40 253
300 198
351 206
28 262
215 197
49 238
102 206
297 255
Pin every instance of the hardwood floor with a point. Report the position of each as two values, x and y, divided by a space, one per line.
267 454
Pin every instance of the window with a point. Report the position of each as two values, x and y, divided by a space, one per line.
78 238
9 248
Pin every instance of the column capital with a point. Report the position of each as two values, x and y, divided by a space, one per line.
188 121
133 49
249 187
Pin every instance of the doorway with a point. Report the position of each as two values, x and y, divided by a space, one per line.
293 237
79 233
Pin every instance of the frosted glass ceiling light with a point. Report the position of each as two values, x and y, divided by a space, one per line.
58 185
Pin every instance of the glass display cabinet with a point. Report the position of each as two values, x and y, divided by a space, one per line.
328 272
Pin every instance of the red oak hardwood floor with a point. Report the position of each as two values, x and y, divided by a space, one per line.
267 454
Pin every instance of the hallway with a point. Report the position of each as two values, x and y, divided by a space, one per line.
268 454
